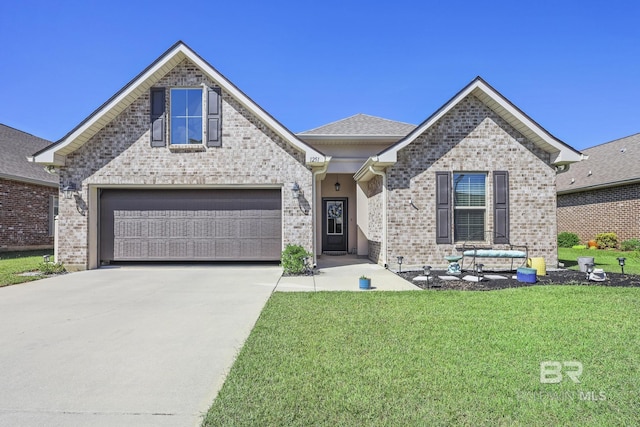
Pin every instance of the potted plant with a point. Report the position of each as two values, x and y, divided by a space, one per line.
365 282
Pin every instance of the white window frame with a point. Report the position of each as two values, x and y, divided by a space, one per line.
203 118
469 208
54 207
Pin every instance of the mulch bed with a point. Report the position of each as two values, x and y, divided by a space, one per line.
555 277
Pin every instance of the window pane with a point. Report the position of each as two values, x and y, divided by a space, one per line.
178 102
195 131
194 102
178 131
468 224
469 190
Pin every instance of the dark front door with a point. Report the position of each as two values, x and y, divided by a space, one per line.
334 225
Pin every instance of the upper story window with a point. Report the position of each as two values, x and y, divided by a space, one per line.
469 206
186 116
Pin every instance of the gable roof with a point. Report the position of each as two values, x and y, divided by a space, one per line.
361 125
16 146
56 153
561 153
609 164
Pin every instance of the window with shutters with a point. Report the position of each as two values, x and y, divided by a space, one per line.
186 116
194 117
469 206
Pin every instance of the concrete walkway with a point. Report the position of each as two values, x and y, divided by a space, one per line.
133 346
341 273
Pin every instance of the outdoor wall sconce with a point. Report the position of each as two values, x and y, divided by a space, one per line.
589 270
400 258
621 261
297 192
337 185
299 195
68 190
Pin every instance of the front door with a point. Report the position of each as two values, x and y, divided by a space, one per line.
334 225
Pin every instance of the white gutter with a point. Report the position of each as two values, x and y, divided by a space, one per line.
314 190
383 244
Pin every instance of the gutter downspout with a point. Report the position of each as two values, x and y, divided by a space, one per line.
314 226
383 245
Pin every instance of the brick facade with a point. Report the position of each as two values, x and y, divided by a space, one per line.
469 138
613 209
120 154
24 215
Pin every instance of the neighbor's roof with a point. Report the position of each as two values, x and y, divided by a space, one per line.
361 125
561 153
16 146
143 82
610 164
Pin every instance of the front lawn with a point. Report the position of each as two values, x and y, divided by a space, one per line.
603 258
438 358
14 263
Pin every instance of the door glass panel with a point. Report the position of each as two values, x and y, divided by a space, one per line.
334 217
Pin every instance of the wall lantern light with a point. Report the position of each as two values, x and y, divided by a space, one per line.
621 261
296 190
337 186
68 190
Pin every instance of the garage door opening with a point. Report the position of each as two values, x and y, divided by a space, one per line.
190 225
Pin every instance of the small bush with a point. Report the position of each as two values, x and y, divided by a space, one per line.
567 240
607 240
292 259
51 268
579 247
630 245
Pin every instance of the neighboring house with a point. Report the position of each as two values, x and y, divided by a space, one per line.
182 165
602 193
28 194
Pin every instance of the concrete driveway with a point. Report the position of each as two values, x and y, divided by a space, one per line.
132 346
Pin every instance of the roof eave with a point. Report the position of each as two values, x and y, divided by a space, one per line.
599 186
375 163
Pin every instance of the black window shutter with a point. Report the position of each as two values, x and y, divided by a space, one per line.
157 117
501 206
443 207
214 117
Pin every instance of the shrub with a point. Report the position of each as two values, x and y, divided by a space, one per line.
292 259
567 240
51 268
630 245
607 240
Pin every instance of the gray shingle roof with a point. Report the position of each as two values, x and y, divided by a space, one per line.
15 146
362 124
612 163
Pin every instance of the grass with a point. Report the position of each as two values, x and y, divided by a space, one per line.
437 358
14 263
605 259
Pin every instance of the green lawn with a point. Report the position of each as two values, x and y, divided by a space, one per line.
13 263
605 259
437 358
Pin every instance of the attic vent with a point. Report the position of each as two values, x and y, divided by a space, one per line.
622 150
590 173
573 180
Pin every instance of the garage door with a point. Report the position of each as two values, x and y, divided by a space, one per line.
190 225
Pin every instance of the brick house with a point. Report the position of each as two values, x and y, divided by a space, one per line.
602 193
28 194
182 165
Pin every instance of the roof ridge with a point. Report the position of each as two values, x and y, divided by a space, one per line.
612 141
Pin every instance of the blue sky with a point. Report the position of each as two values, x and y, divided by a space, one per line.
573 66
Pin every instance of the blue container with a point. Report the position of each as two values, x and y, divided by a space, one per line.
365 283
526 275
